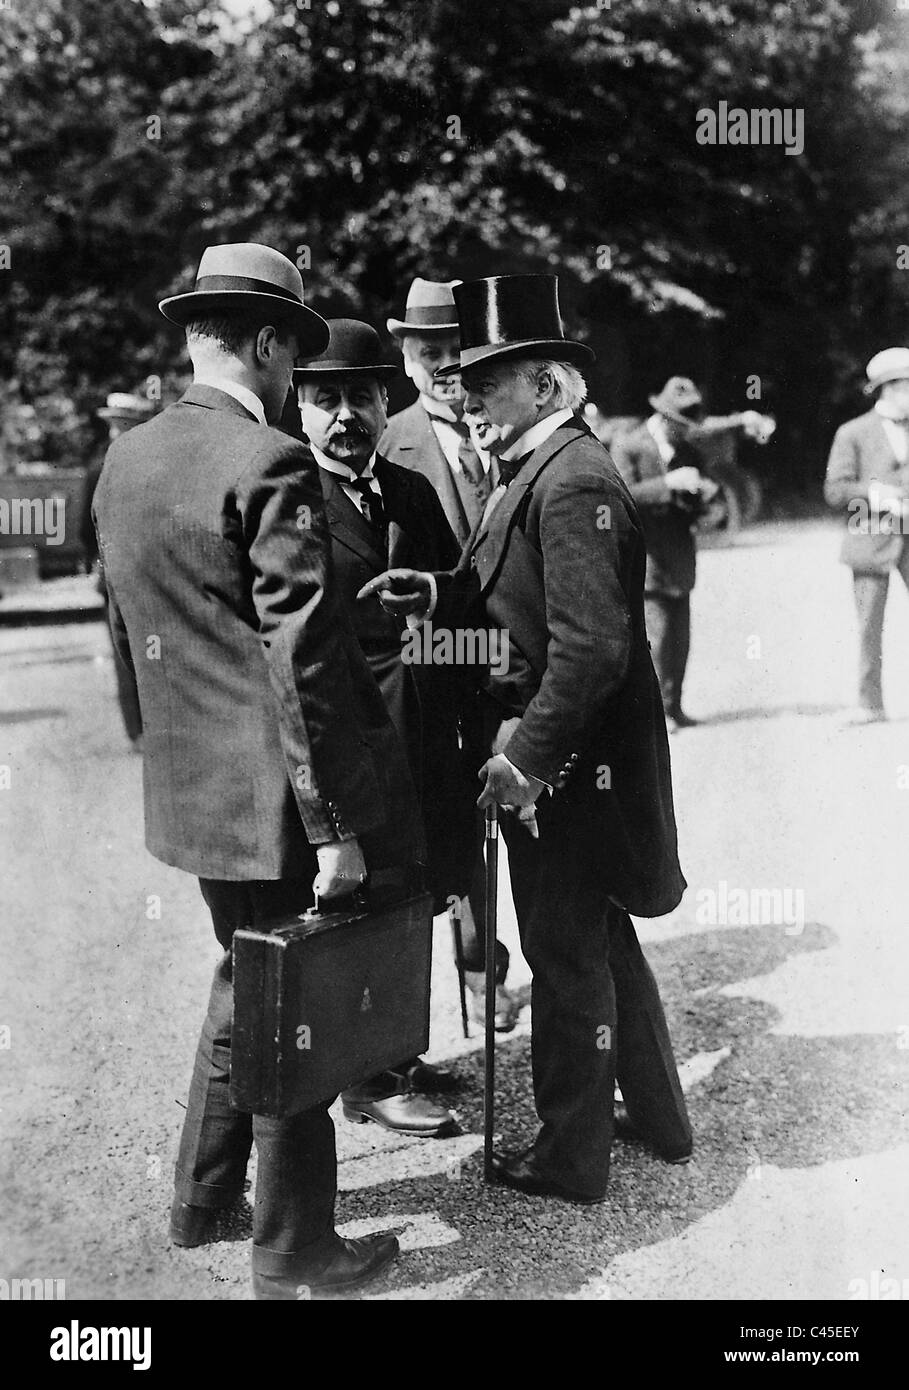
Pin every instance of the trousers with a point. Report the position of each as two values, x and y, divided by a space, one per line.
297 1164
596 1010
870 591
668 620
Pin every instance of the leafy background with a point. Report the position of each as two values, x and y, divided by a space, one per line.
329 127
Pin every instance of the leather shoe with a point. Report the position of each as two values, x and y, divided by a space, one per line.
427 1079
347 1264
520 1171
627 1130
404 1113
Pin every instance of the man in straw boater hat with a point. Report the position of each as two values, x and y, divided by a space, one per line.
661 468
576 732
868 479
432 437
120 412
380 514
270 760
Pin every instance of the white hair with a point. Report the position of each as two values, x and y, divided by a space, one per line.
569 386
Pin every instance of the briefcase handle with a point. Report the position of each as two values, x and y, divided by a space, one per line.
397 881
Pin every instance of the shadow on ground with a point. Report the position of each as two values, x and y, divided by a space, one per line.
789 1101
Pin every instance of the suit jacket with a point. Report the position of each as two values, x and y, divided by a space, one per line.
560 568
264 729
861 453
671 552
410 440
425 703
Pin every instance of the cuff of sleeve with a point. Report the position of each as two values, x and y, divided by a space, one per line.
417 620
524 773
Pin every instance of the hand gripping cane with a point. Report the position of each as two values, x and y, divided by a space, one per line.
492 880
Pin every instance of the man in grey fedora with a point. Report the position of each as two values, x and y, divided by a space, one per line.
868 480
579 758
271 769
432 437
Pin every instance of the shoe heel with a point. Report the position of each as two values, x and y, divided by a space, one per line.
355 1116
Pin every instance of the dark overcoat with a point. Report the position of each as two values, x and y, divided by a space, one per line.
560 568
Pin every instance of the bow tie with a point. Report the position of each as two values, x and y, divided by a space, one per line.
509 468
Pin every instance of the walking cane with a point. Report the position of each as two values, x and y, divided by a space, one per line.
492 878
455 916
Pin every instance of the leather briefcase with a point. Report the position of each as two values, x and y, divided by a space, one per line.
327 1000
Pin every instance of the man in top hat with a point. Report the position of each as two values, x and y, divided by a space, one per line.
661 468
432 437
270 761
578 743
868 477
120 412
380 514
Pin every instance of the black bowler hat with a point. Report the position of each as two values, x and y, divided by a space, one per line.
512 316
246 275
353 350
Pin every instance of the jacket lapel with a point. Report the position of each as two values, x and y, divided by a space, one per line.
488 544
435 467
348 524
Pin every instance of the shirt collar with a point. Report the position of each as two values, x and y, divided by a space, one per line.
438 410
247 398
343 470
537 434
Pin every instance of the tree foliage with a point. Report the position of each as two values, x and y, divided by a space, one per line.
378 139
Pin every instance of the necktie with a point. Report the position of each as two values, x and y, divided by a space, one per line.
371 501
468 457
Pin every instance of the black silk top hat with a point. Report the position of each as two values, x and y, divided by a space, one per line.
679 400
512 316
430 308
245 275
353 350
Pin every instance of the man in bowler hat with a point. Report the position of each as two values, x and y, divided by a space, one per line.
271 768
380 514
868 480
576 734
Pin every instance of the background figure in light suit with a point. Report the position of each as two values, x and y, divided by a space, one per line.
379 514
432 437
661 469
269 757
868 476
557 565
